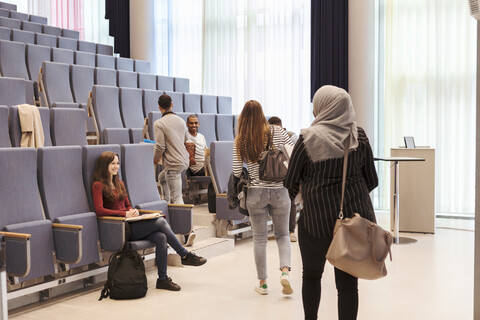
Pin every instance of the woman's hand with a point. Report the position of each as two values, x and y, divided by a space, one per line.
132 213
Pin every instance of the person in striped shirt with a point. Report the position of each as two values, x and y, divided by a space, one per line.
264 198
316 164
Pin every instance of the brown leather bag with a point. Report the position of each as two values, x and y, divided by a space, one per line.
191 152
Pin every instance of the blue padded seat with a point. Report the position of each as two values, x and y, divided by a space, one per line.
8 6
84 58
209 104
72 34
67 43
165 83
62 55
56 80
46 40
4 134
19 15
125 64
16 130
37 19
60 177
32 26
150 101
207 127
67 126
54 31
192 103
10 23
152 117
183 115
104 49
127 79
4 13
12 91
147 81
225 105
87 46
12 59
131 111
141 66
181 85
35 55
106 77
23 36
177 100
82 80
105 61
5 33
224 127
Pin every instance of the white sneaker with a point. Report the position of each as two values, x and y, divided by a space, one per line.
262 289
285 282
190 239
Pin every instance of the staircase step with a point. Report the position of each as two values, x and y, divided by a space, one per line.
208 248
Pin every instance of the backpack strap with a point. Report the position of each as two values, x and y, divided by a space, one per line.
105 292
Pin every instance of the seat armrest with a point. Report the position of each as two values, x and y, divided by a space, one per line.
17 247
149 211
221 195
181 218
112 232
68 242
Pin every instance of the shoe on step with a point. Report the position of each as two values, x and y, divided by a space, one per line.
285 282
167 284
262 289
190 238
191 259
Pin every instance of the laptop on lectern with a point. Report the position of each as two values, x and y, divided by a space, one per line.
409 142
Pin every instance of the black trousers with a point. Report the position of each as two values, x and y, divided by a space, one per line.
313 251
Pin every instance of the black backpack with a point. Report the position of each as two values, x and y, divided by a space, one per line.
126 276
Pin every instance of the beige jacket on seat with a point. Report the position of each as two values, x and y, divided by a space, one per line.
31 124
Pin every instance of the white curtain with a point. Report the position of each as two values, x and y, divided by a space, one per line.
430 54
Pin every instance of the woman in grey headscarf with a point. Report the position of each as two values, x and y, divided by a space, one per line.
316 165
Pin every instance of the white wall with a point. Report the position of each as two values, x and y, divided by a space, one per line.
476 283
142 31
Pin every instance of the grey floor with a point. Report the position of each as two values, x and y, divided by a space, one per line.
431 279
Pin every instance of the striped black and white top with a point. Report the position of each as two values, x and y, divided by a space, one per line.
322 186
280 137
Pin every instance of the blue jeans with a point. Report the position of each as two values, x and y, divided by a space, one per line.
159 232
171 181
262 202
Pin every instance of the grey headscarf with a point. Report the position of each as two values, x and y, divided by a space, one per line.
334 123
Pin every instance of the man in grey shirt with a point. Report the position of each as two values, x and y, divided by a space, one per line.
170 137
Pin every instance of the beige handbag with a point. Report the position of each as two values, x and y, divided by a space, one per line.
359 246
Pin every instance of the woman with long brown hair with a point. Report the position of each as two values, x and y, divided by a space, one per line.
110 198
265 198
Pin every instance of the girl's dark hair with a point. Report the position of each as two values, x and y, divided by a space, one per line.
101 174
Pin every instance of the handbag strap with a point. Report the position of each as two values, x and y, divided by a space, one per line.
344 178
270 139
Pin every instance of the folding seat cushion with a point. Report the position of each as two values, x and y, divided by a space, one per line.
132 112
32 26
224 127
19 15
125 64
4 13
127 79
67 126
12 91
139 179
67 43
150 101
37 19
224 105
152 117
4 134
107 77
87 46
56 80
104 49
72 34
192 103
8 6
12 59
62 55
36 54
5 33
10 23
181 85
165 83
147 81
16 130
23 36
104 61
54 31
84 58
177 100
207 126
45 40
82 81
141 66
209 104
60 177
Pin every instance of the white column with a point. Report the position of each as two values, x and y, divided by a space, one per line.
476 282
361 62
142 31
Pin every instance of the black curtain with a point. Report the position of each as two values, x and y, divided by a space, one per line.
329 44
118 14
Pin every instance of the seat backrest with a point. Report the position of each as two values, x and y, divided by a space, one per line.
104 49
127 79
72 34
36 54
5 33
125 64
131 107
67 43
12 91
45 116
105 61
82 80
10 23
225 105
56 79
147 81
8 6
165 83
55 31
87 46
67 126
221 158
84 58
207 126
152 117
177 100
23 36
209 104
4 134
31 26
45 40
106 107
181 85
224 127
12 59
106 77
38 19
183 115
150 101
16 131
141 66
192 103
90 155
61 181
18 15
62 55
4 13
